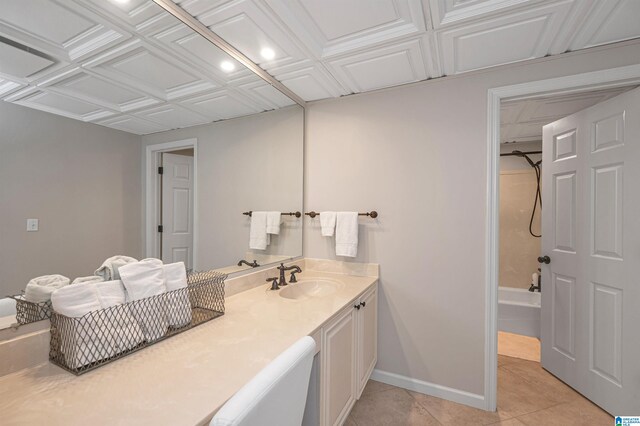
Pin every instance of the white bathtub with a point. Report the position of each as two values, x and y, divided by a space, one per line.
519 311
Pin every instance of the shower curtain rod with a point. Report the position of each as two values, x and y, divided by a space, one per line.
520 153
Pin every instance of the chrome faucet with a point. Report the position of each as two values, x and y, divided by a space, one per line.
253 264
296 270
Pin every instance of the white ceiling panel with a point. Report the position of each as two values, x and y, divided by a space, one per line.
99 91
266 94
247 25
62 105
381 67
132 124
522 120
172 116
609 21
518 36
334 27
58 28
310 81
8 86
156 72
220 105
448 12
195 50
20 62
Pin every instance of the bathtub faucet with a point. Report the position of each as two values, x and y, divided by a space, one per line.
539 286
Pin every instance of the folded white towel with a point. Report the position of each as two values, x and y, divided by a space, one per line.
258 236
327 223
347 234
142 280
39 289
90 339
178 305
273 222
87 280
109 269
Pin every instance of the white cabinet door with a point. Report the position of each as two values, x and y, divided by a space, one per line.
367 337
591 233
338 381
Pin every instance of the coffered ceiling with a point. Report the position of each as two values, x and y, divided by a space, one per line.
129 65
328 48
522 120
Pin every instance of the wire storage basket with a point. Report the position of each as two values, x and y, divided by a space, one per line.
28 312
81 344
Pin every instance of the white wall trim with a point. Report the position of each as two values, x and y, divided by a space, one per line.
427 388
610 78
151 194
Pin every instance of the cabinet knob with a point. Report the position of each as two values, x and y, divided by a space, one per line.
357 307
363 304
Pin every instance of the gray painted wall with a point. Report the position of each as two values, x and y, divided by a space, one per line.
248 163
417 154
82 181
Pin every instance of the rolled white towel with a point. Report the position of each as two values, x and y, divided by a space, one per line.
39 289
109 269
89 279
143 280
178 305
90 338
75 301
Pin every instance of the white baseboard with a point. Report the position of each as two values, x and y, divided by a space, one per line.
439 391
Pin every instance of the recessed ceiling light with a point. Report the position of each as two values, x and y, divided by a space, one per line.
227 66
121 1
268 53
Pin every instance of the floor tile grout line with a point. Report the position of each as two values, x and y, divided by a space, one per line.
425 408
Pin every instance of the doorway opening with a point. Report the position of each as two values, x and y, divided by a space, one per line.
171 219
516 114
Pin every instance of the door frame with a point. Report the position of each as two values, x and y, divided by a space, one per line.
609 78
152 194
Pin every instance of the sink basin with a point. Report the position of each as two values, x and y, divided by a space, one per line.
306 289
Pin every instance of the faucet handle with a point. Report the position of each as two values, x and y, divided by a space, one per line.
274 283
293 278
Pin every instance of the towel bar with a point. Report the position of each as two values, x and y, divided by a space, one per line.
296 214
373 214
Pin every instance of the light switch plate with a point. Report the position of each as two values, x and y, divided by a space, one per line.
32 225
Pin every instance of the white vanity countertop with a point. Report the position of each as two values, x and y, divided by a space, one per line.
183 380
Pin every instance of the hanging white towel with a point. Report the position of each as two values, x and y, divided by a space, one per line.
109 269
327 223
90 338
143 280
258 237
39 289
273 223
178 306
347 234
87 280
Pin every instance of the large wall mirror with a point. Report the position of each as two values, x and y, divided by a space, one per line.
98 98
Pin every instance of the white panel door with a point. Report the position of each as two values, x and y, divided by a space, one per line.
177 209
591 233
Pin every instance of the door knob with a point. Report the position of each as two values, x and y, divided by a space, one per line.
544 259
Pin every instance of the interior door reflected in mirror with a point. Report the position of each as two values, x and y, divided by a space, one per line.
127 135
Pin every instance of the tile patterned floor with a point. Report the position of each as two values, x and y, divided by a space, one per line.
527 395
518 346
